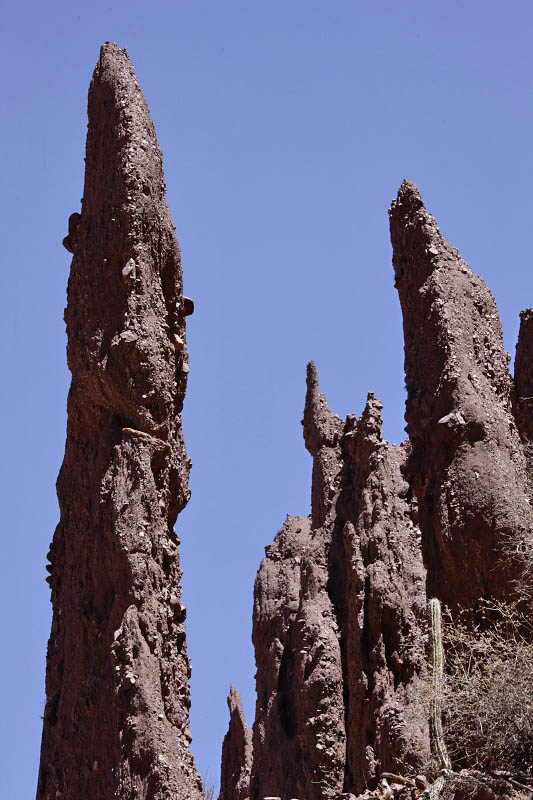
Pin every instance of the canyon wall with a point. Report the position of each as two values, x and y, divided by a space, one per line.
117 696
339 620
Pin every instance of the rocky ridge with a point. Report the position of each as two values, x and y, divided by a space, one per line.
116 720
340 621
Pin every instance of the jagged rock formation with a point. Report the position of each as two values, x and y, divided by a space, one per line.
340 625
339 618
116 716
236 753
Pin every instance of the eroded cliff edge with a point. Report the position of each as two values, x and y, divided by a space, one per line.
339 621
117 695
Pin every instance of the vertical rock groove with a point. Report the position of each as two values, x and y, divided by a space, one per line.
117 694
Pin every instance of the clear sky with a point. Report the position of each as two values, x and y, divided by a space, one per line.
286 129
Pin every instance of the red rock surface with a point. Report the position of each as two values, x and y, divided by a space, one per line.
467 468
116 719
236 753
339 625
339 619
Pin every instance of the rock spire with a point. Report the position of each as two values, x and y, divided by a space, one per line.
340 625
339 612
466 468
117 695
236 753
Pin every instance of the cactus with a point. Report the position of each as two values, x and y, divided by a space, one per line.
439 754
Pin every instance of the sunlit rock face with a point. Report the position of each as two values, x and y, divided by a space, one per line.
116 722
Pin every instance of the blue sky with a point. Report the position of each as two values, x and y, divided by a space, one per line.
286 129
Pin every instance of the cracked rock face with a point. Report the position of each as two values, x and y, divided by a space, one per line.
116 718
340 625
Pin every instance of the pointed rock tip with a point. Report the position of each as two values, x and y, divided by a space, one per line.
371 421
312 385
234 699
112 50
311 396
320 425
408 198
372 401
114 64
408 188
312 374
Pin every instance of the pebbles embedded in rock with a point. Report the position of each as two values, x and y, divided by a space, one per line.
129 270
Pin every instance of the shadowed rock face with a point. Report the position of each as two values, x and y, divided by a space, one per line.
340 599
116 716
524 377
236 753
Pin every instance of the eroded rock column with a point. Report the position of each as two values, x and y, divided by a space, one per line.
339 621
116 718
467 466
236 753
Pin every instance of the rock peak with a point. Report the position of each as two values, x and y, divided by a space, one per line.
458 409
116 720
321 427
236 753
410 190
234 700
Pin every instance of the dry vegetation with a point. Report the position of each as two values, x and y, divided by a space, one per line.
488 690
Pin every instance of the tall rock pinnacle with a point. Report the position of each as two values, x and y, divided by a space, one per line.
467 464
117 695
339 622
236 753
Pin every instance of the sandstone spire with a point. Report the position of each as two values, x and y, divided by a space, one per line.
339 611
116 716
467 466
236 753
